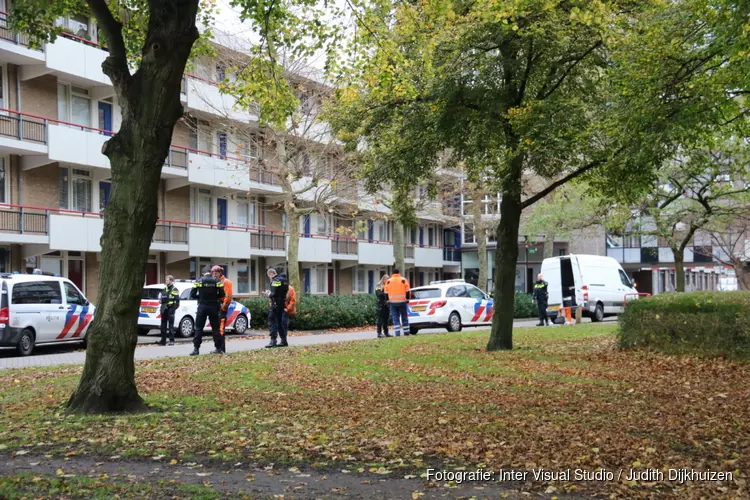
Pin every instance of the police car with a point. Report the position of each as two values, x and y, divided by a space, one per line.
149 315
42 309
453 304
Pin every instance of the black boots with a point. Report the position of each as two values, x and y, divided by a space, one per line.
271 344
195 352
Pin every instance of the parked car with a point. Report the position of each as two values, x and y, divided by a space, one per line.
453 304
38 309
149 317
596 283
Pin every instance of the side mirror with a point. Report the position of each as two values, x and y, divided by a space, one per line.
86 302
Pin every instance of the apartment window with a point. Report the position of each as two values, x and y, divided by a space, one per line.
321 280
75 191
469 233
4 184
431 237
246 212
204 206
322 224
222 138
73 105
360 280
247 277
3 85
250 150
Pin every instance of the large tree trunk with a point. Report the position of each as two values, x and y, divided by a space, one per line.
150 102
506 259
398 246
292 218
679 268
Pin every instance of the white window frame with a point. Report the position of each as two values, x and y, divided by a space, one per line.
69 94
77 173
6 166
200 194
252 265
5 89
359 286
327 222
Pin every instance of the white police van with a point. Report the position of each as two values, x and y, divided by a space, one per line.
149 314
39 309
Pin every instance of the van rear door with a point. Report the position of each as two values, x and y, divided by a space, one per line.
551 274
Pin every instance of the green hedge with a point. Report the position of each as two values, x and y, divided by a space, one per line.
713 323
320 312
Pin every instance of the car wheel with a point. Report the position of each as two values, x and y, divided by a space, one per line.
598 314
240 324
186 329
143 331
454 322
413 330
26 343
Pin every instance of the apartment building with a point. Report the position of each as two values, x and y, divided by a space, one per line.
220 197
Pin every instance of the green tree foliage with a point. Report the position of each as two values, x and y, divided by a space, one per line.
556 89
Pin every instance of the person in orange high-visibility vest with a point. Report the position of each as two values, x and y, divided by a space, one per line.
290 309
397 288
218 273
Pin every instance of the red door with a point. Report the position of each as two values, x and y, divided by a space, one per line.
75 272
152 273
331 284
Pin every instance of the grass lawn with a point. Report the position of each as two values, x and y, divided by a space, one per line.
565 398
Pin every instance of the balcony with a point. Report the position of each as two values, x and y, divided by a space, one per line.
23 225
77 144
268 243
15 46
428 257
229 172
204 96
22 134
210 240
451 256
344 247
375 253
315 248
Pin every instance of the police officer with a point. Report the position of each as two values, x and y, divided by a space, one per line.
209 291
540 296
277 303
170 302
383 312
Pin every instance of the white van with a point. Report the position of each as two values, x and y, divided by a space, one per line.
596 283
38 309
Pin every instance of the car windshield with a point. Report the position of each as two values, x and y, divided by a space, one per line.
425 293
150 293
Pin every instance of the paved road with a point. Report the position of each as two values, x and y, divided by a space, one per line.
73 355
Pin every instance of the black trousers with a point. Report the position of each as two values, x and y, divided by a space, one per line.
276 325
167 325
212 314
541 306
383 315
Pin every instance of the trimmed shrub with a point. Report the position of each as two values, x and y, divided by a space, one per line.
524 306
320 312
713 323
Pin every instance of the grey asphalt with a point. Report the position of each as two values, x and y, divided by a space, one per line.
53 355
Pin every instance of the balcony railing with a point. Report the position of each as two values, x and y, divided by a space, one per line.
171 232
344 245
268 240
451 255
6 34
177 158
20 220
23 127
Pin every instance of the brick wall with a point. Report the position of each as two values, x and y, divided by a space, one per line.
588 242
92 277
178 204
179 269
41 187
39 96
273 220
345 281
12 99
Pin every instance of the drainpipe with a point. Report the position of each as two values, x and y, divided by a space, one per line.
18 108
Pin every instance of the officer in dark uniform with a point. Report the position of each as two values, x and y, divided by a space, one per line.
208 291
277 299
170 302
541 296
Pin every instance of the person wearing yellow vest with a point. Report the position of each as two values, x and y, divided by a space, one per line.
397 288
